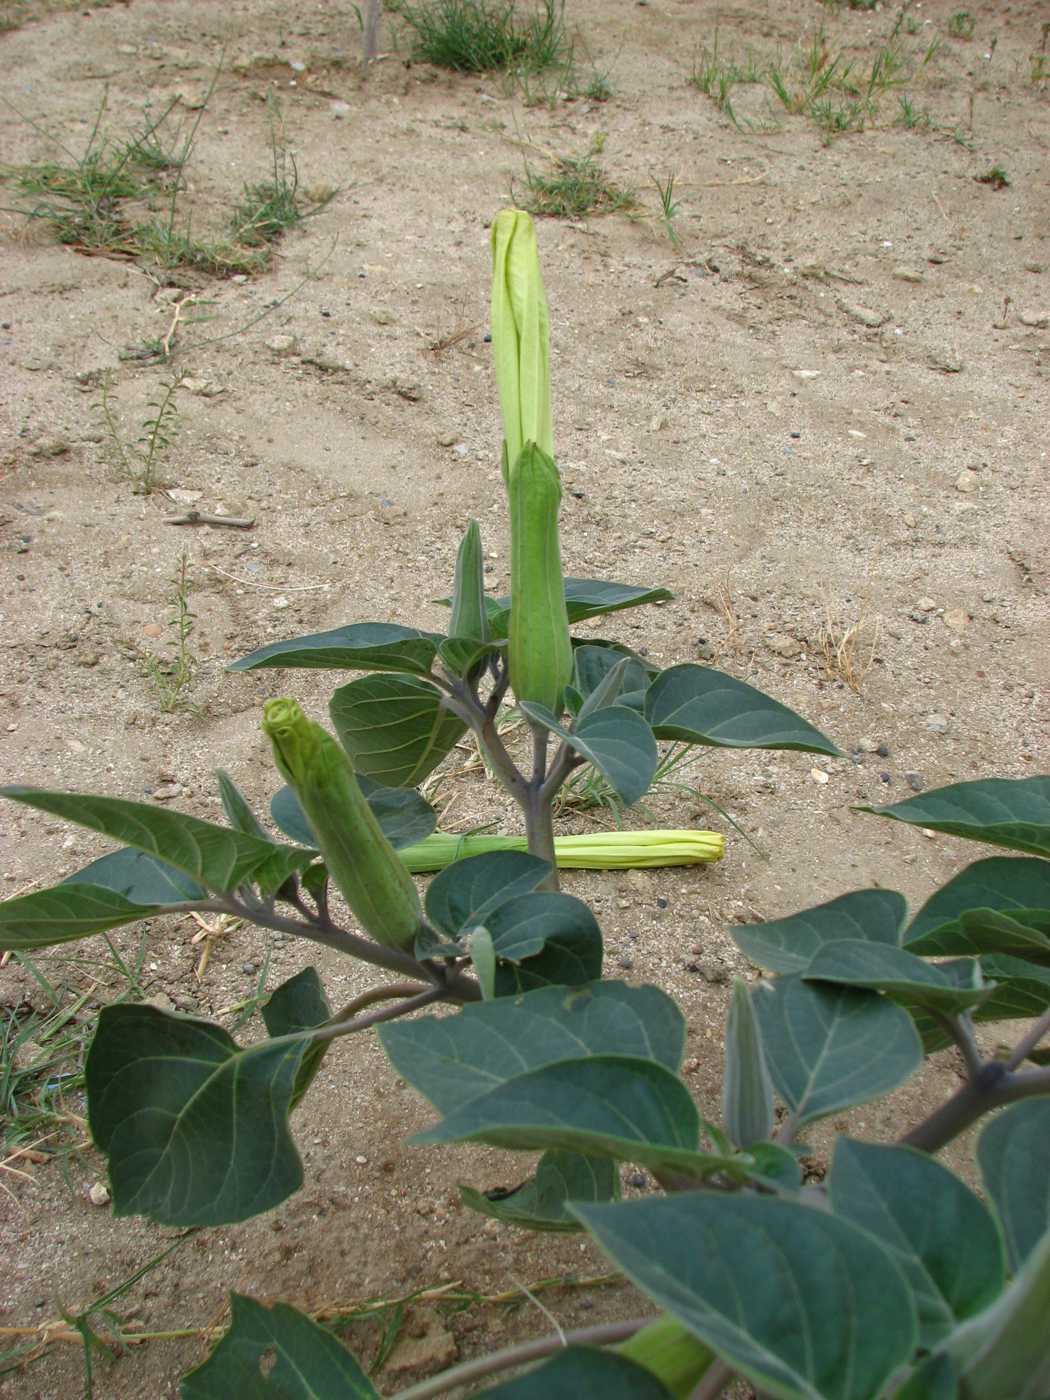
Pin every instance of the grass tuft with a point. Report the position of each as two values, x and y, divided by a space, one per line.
483 36
577 186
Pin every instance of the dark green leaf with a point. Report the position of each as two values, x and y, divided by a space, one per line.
774 1166
1013 1154
831 1047
195 1128
461 655
1010 812
585 598
1017 887
521 927
582 1373
902 975
615 739
299 1004
276 1353
362 646
747 1091
140 878
395 728
1003 1353
571 955
468 891
403 815
592 665
219 858
935 1227
702 706
1022 990
789 945
63 913
453 1059
239 815
936 1378
799 1301
605 1105
539 1203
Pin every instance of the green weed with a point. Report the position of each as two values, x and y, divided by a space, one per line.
139 461
172 679
480 36
961 25
669 208
577 186
997 177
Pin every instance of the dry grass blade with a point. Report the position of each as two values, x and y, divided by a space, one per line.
849 651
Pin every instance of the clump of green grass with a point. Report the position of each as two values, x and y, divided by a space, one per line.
482 36
577 186
961 25
997 177
716 76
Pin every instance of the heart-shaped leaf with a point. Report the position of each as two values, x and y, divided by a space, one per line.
615 739
299 1004
276 1353
802 1303
195 1128
361 646
467 892
950 922
604 1105
790 945
213 855
900 974
938 1231
403 815
453 1059
1012 1152
66 912
702 706
585 598
575 1372
540 1202
1010 812
395 728
831 1047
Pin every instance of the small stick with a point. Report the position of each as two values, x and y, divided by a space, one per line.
202 517
270 587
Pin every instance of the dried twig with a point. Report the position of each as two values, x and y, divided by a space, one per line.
201 517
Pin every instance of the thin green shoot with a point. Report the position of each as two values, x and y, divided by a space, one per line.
172 678
669 208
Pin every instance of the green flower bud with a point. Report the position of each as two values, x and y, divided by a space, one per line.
360 860
539 651
469 616
520 336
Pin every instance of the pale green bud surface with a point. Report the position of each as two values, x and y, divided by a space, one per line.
361 862
520 335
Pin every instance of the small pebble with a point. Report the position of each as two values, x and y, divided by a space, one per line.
638 1180
283 344
915 781
883 751
818 775
361 1160
937 724
966 482
248 969
98 1194
661 903
867 745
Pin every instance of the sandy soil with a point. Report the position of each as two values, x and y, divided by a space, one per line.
826 409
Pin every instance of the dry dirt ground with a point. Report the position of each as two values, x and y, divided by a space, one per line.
822 406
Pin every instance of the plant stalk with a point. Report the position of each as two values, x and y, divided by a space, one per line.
604 1334
994 1087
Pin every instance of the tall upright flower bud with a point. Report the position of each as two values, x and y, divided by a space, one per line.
539 650
520 336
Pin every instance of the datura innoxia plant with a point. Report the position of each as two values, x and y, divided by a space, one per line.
880 1276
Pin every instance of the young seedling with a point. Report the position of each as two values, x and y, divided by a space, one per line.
669 208
172 677
890 1277
140 462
